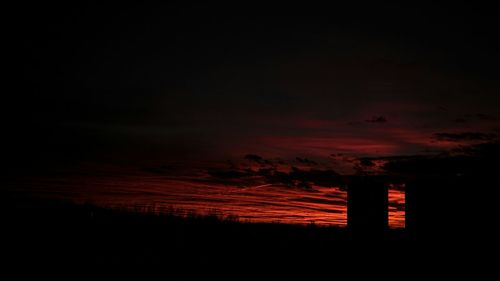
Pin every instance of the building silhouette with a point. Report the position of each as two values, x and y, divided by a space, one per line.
367 204
443 204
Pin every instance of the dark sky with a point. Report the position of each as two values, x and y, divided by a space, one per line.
169 83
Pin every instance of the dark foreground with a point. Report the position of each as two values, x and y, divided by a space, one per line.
59 235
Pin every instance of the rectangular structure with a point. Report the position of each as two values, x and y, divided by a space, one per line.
367 205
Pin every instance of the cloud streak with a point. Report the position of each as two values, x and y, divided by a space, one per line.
377 119
465 136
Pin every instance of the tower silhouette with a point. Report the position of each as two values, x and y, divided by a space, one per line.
367 204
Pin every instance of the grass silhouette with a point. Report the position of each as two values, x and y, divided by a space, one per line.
59 233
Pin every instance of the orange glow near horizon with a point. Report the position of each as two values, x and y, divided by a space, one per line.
397 212
266 203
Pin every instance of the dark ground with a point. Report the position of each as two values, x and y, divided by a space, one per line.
55 234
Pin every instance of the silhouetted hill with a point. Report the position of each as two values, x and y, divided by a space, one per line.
40 232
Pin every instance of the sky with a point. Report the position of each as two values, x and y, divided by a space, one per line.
162 86
217 86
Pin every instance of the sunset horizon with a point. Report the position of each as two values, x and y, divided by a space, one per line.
205 138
